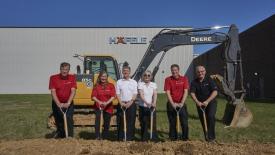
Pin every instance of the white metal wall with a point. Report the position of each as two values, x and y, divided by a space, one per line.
30 55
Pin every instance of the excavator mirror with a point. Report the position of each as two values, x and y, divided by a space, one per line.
103 66
78 57
78 70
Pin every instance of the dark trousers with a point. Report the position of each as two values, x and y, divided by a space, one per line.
172 117
58 116
106 118
210 113
130 121
145 122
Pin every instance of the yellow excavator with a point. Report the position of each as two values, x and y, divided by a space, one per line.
92 65
231 83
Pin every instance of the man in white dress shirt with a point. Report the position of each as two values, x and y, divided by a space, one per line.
126 90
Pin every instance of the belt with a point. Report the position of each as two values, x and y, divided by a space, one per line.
126 101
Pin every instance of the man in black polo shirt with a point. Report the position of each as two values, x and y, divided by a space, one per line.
203 92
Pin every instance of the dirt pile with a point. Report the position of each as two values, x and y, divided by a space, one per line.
95 147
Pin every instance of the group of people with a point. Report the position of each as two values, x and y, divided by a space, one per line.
142 94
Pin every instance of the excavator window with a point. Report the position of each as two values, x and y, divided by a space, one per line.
94 64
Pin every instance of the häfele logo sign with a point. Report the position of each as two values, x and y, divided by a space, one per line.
127 40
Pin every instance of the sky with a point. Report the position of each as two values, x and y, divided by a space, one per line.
135 13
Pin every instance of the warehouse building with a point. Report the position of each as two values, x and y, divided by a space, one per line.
258 55
29 55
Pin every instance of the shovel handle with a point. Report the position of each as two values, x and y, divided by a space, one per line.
178 122
205 123
124 123
101 121
204 120
178 119
151 123
65 125
65 122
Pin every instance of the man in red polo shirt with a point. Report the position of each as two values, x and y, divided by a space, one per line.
176 88
63 86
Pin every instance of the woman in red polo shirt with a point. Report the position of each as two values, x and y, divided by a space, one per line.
103 94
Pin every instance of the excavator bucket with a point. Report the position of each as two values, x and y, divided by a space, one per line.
242 116
236 113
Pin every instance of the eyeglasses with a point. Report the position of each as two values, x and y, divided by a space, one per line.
201 71
146 75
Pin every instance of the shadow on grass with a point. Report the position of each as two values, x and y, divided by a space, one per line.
88 135
196 117
50 135
267 100
162 136
192 116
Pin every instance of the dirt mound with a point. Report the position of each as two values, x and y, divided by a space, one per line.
139 147
94 147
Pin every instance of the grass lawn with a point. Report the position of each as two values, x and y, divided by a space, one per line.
25 116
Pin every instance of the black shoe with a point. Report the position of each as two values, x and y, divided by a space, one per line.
211 141
173 139
185 139
144 139
98 138
155 139
58 135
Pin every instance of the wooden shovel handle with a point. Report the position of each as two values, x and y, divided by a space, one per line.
125 125
65 125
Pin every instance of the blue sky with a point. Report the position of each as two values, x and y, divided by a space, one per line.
86 13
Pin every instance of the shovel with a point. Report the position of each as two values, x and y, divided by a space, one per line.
101 121
178 119
124 123
205 122
65 121
152 110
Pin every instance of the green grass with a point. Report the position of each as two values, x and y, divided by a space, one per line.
262 128
25 116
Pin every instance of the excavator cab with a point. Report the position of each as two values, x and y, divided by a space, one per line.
92 65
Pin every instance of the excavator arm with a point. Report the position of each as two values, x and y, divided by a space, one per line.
231 84
168 39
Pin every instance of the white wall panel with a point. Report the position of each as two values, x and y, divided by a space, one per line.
30 55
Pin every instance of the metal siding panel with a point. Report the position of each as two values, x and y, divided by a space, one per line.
30 55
